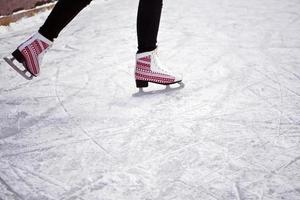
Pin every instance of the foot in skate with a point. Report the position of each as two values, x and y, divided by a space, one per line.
150 69
30 55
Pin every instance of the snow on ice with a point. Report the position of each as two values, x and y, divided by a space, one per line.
233 132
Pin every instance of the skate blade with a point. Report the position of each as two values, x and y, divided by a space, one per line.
168 89
25 73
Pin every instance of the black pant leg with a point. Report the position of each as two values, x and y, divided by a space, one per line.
148 19
63 13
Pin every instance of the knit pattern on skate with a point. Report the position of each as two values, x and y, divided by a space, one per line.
31 55
145 73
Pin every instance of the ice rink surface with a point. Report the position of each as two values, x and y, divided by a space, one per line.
233 133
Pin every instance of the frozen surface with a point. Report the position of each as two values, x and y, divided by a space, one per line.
232 133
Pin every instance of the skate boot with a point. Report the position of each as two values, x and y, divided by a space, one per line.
149 69
30 54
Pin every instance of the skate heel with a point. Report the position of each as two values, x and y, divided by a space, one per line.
18 56
141 84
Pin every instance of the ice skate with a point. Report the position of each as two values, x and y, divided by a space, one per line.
149 69
30 55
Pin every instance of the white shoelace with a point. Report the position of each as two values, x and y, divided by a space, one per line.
158 63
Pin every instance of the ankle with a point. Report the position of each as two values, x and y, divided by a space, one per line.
145 49
45 35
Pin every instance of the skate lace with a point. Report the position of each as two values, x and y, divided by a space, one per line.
158 63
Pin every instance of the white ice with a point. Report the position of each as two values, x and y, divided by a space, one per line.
233 133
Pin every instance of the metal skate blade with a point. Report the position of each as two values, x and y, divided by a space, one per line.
168 89
25 73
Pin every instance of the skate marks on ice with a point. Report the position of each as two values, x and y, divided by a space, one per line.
168 89
231 135
61 102
29 180
25 73
9 190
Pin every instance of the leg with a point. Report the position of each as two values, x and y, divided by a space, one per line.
30 52
63 13
148 68
148 20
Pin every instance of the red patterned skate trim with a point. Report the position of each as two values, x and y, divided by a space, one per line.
154 79
143 72
145 66
146 59
31 55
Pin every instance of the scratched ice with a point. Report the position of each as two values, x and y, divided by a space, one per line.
233 132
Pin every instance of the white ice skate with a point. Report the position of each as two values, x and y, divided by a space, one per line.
149 69
30 55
